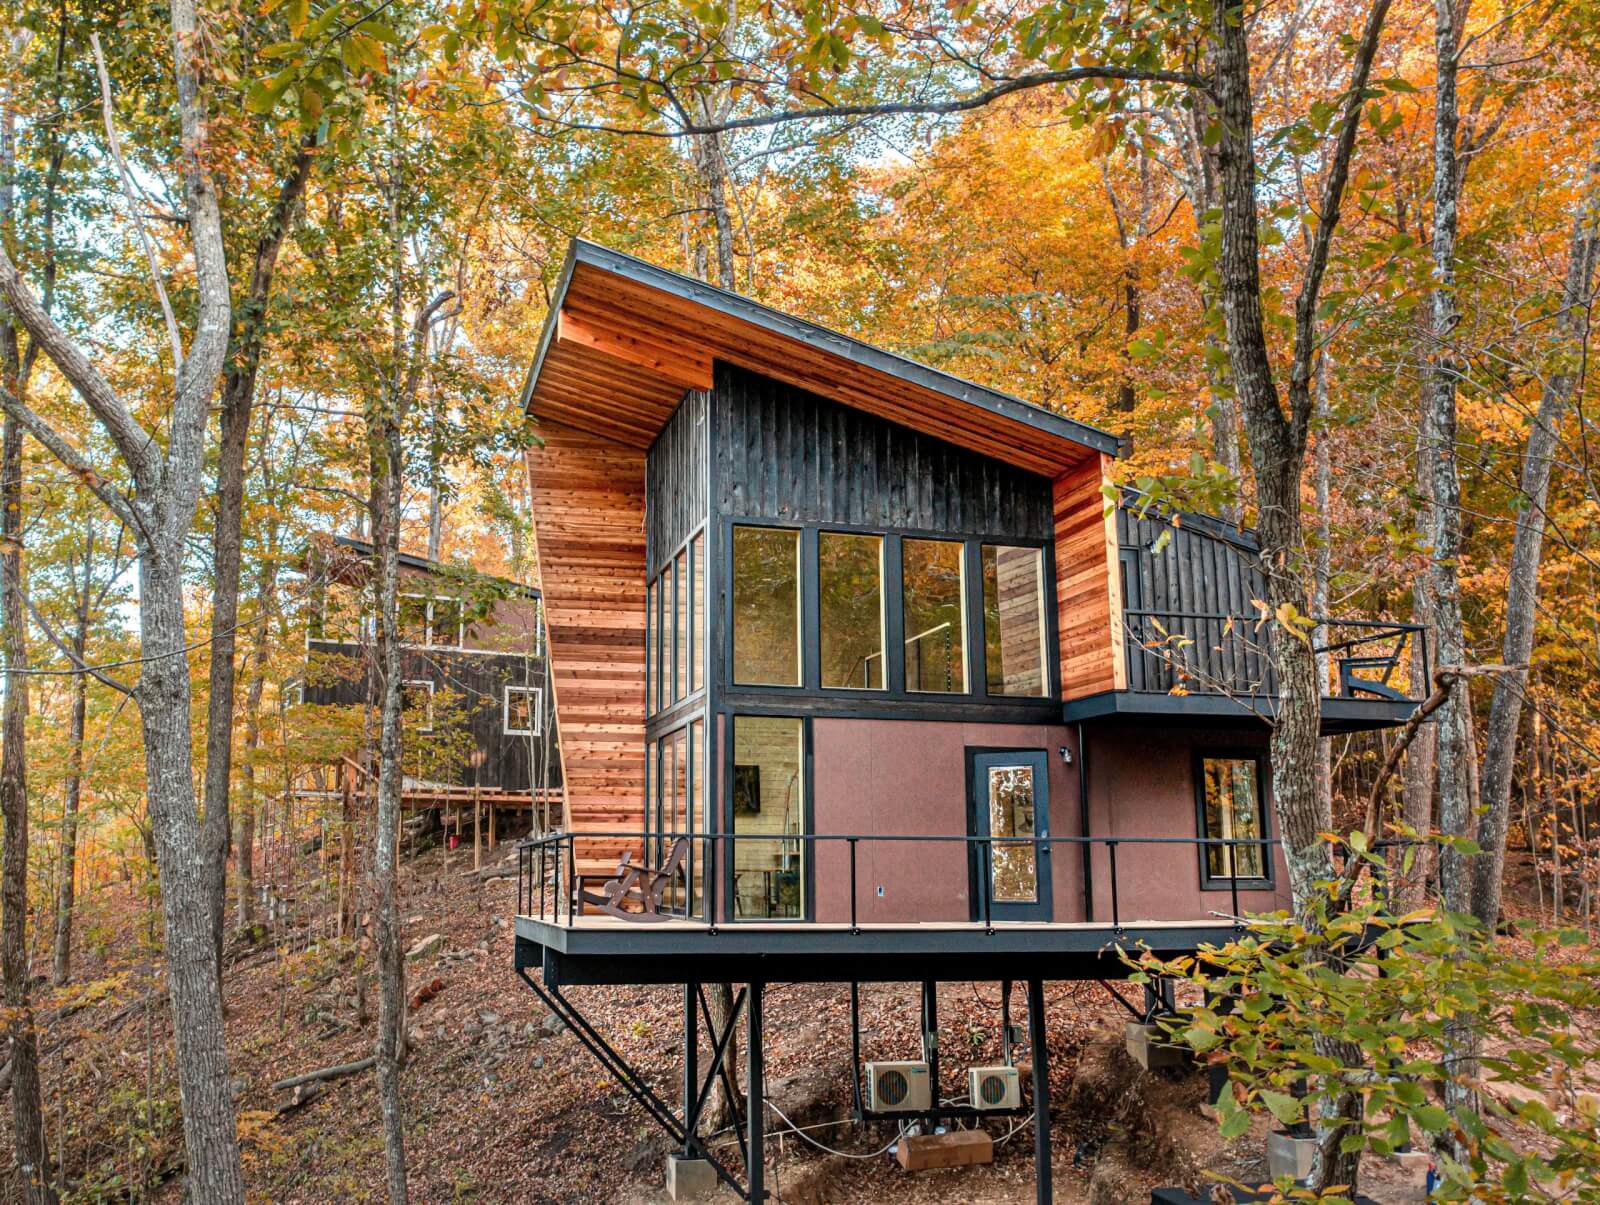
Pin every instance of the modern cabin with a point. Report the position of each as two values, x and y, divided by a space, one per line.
479 724
867 672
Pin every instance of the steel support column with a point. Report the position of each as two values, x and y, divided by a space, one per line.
755 1099
1041 1091
691 1064
855 1051
930 1035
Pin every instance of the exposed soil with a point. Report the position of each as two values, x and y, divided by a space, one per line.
501 1109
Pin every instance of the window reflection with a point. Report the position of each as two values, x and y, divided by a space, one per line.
850 602
1233 811
1011 794
766 606
935 618
1013 620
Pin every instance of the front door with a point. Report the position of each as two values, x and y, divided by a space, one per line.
1011 816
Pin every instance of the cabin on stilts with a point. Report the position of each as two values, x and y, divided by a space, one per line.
865 672
481 760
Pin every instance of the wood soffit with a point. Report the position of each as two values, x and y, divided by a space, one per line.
626 339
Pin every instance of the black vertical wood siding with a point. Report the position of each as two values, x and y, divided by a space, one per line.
1190 604
783 453
497 761
675 480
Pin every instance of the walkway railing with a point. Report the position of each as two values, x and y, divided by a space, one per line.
551 888
1202 652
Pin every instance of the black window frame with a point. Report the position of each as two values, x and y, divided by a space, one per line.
853 699
1209 881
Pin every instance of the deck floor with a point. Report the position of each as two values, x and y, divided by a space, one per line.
609 949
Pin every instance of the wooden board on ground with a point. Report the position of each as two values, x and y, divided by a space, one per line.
959 1148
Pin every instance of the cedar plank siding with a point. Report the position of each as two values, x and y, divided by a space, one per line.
589 516
1088 584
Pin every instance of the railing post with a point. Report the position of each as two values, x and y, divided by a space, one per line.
988 886
572 877
1233 880
713 881
854 927
1116 913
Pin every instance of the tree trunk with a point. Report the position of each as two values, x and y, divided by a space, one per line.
1522 587
386 466
1277 450
238 395
33 1156
244 910
204 1087
66 889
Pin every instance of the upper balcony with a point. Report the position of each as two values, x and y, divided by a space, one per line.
1192 638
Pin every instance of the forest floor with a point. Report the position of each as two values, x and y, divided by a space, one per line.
500 1108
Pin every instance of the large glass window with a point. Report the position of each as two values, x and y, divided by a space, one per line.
1013 620
766 606
680 577
850 597
768 801
652 647
1232 808
935 616
697 614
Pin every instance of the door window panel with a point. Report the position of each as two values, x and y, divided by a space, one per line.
1013 620
933 572
850 605
768 801
1011 814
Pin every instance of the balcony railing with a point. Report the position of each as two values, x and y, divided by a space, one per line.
551 888
1199 652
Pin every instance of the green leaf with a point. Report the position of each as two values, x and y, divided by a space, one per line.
263 95
1284 1107
295 12
1431 1118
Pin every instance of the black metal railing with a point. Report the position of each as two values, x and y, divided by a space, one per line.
550 888
1202 652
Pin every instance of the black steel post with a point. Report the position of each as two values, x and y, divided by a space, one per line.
855 1051
691 1063
854 927
1005 1021
930 1035
755 1099
572 877
1041 1092
1116 914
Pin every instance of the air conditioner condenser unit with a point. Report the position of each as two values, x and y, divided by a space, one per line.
994 1088
898 1087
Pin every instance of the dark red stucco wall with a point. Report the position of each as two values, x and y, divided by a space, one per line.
896 777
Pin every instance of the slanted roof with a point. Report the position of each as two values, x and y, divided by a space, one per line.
625 339
364 549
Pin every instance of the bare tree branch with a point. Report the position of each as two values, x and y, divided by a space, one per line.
132 441
115 143
68 456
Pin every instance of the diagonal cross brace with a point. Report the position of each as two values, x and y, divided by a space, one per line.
632 1081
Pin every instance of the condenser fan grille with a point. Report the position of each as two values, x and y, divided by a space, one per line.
992 1089
892 1087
